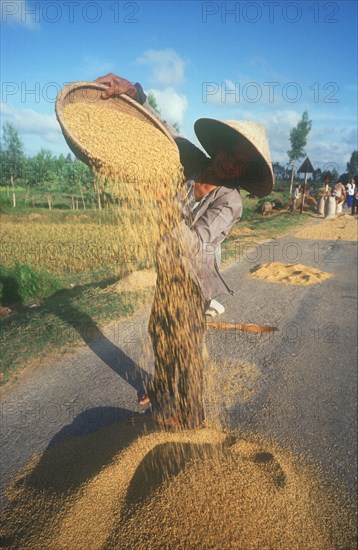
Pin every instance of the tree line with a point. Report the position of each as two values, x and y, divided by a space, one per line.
298 141
44 173
47 174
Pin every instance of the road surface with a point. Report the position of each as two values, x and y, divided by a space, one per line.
300 391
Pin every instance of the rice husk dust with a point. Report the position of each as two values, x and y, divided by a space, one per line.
137 280
127 486
239 382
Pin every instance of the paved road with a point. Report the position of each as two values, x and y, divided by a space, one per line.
303 391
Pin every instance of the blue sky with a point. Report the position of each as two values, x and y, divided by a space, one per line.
263 61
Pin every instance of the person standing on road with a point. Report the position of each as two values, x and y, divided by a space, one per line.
186 264
327 185
295 195
355 197
339 192
350 193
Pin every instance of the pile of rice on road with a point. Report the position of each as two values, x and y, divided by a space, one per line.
197 489
343 228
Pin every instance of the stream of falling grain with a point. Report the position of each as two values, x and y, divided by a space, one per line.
133 485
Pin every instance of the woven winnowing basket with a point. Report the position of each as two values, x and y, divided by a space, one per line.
90 93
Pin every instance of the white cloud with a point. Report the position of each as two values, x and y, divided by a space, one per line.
221 93
340 115
325 144
28 121
34 128
171 104
349 136
278 126
167 67
19 12
244 91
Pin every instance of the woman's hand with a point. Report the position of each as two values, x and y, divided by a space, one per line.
116 86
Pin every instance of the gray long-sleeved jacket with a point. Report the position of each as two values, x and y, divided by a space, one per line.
202 235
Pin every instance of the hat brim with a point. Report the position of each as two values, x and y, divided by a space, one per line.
215 135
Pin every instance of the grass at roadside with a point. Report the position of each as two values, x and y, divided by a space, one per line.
61 322
252 232
73 315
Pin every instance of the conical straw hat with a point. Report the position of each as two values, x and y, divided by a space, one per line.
216 135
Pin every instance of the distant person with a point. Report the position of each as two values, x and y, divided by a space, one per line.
295 195
355 196
350 193
311 191
339 192
327 185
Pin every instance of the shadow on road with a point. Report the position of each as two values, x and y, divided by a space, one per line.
92 420
116 359
76 454
117 467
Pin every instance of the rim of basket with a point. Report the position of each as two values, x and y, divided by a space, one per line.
73 86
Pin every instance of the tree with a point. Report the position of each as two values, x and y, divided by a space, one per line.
45 174
152 100
77 179
12 156
298 139
352 165
28 179
335 175
317 176
280 172
344 178
3 175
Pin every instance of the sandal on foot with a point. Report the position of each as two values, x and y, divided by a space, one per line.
144 400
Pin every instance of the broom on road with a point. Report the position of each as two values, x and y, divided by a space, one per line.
239 326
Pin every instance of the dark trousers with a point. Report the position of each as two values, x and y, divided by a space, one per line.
355 206
177 329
